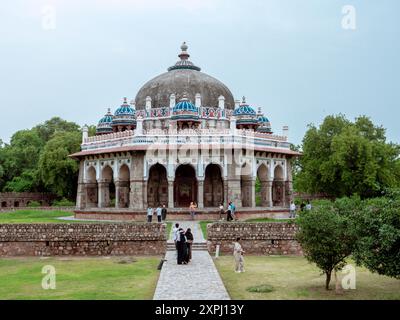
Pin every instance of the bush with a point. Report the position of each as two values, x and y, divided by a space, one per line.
63 203
261 288
33 204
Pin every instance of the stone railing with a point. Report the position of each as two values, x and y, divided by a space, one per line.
256 238
82 239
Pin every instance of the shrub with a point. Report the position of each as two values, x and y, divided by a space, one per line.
63 203
33 204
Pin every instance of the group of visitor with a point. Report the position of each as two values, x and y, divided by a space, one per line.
303 207
183 243
160 211
230 211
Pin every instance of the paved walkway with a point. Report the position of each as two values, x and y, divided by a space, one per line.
198 280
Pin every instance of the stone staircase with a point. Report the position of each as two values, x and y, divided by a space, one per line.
197 246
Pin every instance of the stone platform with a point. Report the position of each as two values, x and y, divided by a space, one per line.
180 214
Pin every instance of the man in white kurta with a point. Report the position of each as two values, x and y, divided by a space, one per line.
238 254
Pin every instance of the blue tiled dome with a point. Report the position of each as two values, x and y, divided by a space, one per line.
244 109
263 119
104 125
124 115
185 110
125 109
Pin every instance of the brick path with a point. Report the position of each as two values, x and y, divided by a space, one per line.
198 280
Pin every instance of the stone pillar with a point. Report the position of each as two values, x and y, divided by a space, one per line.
269 194
104 194
264 193
200 194
225 192
170 194
136 195
145 204
91 195
121 194
81 199
252 187
234 192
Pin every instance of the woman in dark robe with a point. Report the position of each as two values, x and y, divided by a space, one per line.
182 247
189 242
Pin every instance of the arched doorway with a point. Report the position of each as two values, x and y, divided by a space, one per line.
16 204
91 188
157 186
4 204
213 186
122 187
185 186
278 187
262 194
107 188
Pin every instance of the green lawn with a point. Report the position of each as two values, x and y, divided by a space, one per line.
80 278
293 277
168 229
203 226
34 216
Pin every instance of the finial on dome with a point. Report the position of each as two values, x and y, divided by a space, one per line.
184 97
184 55
108 110
125 100
243 99
184 46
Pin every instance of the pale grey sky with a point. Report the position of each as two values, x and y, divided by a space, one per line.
291 57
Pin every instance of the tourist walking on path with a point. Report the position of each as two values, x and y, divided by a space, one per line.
221 211
233 211
189 239
238 255
192 209
182 247
149 214
175 230
292 213
158 211
164 213
229 212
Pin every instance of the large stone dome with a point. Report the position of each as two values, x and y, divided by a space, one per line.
184 78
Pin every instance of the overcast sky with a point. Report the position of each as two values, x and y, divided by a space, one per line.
293 58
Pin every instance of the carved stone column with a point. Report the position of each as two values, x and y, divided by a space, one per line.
170 194
104 194
121 194
91 195
200 194
269 194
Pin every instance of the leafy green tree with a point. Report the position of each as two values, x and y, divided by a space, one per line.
341 158
59 172
377 227
326 237
47 129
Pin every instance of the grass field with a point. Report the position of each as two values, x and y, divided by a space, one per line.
80 278
34 216
294 278
203 226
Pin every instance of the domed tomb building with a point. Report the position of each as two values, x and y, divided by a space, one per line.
182 139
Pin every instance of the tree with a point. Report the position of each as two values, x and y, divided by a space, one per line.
47 129
341 158
326 238
378 235
59 172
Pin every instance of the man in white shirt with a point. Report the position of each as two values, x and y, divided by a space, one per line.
175 230
159 213
292 208
238 255
149 214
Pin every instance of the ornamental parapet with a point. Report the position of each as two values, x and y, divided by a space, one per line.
171 137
